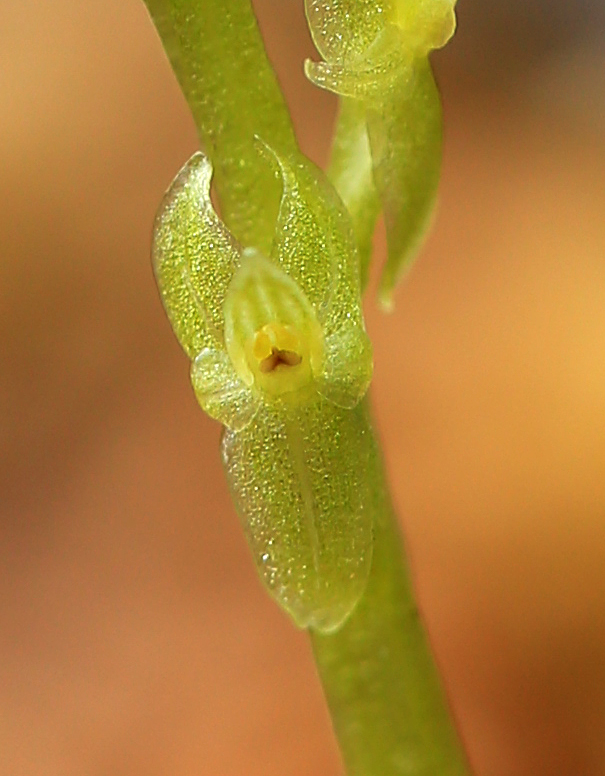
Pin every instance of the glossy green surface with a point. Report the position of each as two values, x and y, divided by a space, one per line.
386 700
281 358
310 534
375 52
219 60
266 304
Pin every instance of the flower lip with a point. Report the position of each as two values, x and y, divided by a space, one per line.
279 358
276 346
271 331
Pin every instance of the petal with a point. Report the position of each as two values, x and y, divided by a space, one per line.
220 391
314 242
267 313
426 24
194 258
348 366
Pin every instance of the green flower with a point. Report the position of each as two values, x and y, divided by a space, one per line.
376 55
280 356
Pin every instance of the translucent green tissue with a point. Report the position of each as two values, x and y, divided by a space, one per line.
280 356
375 56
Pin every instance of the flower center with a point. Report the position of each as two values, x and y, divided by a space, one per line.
272 334
275 346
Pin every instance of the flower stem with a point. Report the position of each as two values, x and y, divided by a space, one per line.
388 708
217 53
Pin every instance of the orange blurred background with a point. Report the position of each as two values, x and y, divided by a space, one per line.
134 635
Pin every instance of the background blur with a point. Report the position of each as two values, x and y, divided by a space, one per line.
134 635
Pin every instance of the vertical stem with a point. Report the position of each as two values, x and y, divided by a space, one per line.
350 172
218 56
388 708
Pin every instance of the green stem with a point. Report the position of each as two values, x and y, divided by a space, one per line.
218 56
388 708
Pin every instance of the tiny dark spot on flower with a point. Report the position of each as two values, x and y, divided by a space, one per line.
279 358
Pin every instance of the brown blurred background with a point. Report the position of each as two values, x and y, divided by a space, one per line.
134 635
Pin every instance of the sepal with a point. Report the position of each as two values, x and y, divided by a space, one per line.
377 53
194 258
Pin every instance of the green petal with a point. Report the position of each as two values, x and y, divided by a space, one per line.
220 391
194 258
426 24
315 244
267 316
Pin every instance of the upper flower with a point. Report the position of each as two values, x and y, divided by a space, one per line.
376 52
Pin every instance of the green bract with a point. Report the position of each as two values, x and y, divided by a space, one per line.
280 356
376 58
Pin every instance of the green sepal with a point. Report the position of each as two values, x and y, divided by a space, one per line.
194 258
343 30
314 241
367 78
347 367
297 478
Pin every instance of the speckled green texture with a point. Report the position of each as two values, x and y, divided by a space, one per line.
294 450
343 30
217 54
310 532
300 454
194 258
376 53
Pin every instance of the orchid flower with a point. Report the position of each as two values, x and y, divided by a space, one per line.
388 152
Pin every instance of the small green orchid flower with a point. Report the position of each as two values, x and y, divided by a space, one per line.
376 57
280 357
